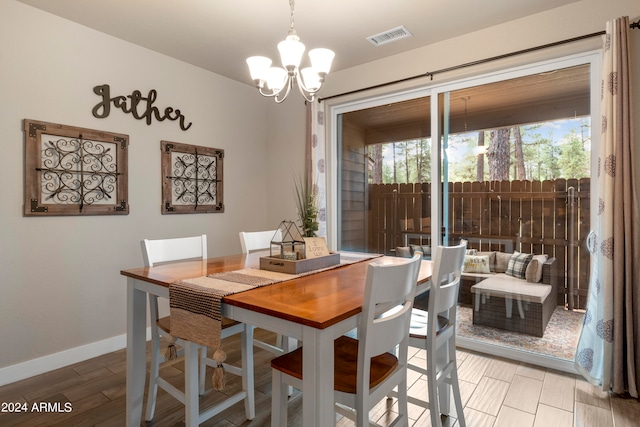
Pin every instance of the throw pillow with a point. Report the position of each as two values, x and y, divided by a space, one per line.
492 259
531 273
476 264
502 261
403 251
536 270
518 265
425 249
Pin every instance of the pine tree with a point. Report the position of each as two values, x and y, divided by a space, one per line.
499 154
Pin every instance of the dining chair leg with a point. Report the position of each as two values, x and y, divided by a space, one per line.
202 370
288 344
455 384
278 400
457 398
444 389
403 406
434 406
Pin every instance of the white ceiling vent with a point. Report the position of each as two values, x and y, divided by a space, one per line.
389 36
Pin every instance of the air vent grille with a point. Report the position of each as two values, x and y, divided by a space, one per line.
389 36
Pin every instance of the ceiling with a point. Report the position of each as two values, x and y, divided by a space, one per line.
560 94
218 35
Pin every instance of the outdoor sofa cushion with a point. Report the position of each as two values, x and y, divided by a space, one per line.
504 286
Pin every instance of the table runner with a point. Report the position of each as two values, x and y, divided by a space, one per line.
195 304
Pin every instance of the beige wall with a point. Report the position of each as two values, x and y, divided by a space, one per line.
60 287
286 143
566 22
60 283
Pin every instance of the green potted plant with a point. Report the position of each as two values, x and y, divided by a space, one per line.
307 205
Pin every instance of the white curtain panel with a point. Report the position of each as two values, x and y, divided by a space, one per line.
317 156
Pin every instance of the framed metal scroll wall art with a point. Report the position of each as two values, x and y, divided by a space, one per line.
192 178
74 171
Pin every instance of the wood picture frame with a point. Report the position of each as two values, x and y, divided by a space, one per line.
192 178
71 170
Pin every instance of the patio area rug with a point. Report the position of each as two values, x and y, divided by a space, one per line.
560 338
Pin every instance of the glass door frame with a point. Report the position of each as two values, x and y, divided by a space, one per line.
334 129
335 108
592 58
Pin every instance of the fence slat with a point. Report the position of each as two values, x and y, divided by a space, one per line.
531 213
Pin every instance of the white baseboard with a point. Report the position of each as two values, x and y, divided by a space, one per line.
50 362
517 355
30 368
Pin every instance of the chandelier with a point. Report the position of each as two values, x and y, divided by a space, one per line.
276 82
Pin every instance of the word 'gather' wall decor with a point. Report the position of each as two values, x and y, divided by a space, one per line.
131 103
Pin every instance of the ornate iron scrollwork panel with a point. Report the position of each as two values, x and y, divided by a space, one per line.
74 171
77 171
192 178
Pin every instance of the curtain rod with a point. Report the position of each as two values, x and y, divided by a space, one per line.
430 74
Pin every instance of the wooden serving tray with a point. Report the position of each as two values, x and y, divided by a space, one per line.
280 265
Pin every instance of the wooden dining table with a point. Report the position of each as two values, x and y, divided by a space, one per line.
315 308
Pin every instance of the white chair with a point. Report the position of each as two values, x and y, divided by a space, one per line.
435 332
252 241
258 240
168 250
365 370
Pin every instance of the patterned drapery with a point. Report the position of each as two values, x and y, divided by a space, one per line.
316 160
608 352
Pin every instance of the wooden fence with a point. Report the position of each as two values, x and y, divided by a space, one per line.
549 217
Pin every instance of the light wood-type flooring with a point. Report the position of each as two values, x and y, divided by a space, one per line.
495 393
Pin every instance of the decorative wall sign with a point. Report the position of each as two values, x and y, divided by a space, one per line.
191 178
74 171
130 103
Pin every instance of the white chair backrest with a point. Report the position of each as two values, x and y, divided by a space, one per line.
166 250
256 240
445 281
388 284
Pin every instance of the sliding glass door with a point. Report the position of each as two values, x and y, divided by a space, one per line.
503 161
384 161
515 169
515 176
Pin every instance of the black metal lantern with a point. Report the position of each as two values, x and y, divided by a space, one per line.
289 241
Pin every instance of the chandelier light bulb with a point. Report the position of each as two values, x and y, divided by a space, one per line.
321 60
259 69
311 79
291 50
276 78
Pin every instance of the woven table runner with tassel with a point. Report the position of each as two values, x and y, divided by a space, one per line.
196 304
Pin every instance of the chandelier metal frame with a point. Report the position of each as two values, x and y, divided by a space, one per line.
276 82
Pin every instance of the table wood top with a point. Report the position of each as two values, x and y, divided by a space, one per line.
318 300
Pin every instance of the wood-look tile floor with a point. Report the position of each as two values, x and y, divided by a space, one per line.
495 393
